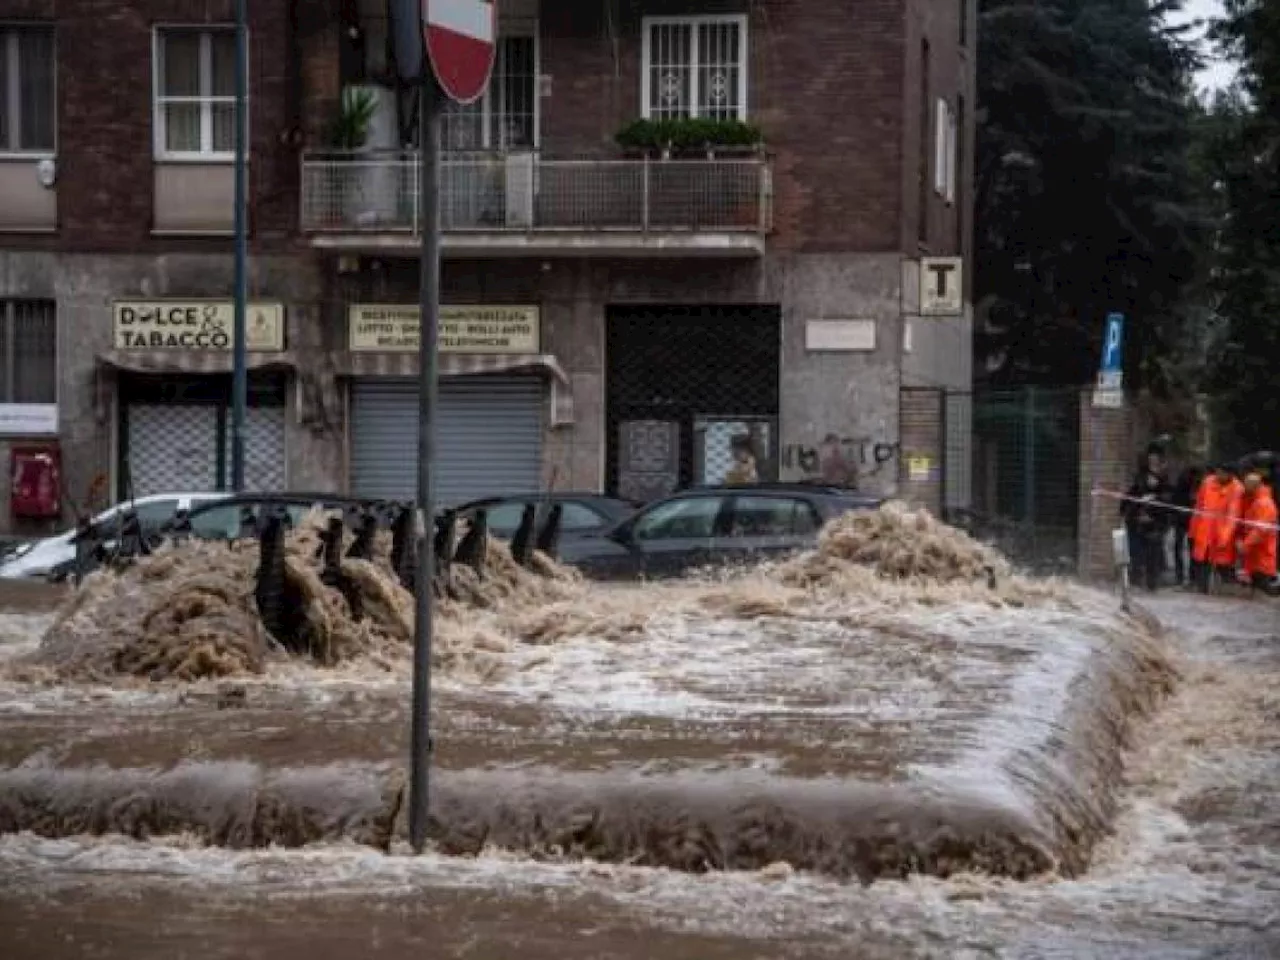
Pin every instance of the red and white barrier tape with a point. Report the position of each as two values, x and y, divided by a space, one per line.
1113 495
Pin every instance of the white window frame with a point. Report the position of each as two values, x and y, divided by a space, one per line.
941 125
646 61
952 154
486 107
8 317
9 31
205 32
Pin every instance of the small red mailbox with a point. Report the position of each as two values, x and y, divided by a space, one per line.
35 493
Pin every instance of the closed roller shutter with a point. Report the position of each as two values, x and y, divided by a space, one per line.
171 448
263 450
488 436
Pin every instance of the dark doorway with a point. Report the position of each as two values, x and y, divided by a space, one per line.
683 383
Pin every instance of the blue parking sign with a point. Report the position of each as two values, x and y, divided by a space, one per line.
1113 343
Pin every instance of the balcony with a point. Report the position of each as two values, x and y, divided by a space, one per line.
525 205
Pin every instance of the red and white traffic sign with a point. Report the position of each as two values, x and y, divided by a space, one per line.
461 35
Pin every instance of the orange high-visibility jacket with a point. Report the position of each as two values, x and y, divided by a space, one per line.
1196 522
1260 543
1226 527
1211 501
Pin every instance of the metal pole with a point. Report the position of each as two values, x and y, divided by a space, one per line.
239 378
429 110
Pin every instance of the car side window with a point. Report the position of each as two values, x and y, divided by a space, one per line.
504 518
578 516
693 518
217 523
771 517
153 516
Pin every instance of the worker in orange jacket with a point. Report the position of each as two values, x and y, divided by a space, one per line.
1212 501
1258 539
1224 553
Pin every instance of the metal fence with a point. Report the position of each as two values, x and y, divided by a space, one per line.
378 192
1024 479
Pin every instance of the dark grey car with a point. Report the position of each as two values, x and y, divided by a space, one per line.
582 514
710 527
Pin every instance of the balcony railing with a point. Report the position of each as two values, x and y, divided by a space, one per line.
378 193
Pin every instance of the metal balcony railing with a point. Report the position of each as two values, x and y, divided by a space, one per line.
378 192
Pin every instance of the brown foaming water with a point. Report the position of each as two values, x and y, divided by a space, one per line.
1054 801
688 823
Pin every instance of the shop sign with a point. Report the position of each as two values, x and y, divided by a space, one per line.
28 419
941 286
195 325
389 328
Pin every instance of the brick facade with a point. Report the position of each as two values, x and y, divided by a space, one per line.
827 90
104 102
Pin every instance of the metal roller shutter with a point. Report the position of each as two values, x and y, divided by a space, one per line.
488 435
171 448
263 450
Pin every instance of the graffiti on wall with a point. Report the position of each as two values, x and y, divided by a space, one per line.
840 461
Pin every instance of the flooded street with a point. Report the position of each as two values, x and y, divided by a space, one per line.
735 769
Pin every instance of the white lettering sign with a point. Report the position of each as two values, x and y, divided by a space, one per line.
390 328
195 325
28 419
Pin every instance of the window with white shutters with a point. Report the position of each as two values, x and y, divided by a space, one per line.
695 67
27 111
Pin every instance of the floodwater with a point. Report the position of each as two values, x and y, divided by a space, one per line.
636 794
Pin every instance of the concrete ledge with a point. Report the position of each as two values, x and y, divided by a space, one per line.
553 244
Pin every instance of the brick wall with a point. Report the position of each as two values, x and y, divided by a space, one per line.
1109 444
951 76
827 90
921 434
104 98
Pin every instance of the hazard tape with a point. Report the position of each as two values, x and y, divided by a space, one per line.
1114 495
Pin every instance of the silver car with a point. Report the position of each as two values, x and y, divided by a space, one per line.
54 556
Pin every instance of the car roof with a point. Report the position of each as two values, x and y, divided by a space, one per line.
813 489
555 495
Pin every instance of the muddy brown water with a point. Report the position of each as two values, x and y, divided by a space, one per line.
77 896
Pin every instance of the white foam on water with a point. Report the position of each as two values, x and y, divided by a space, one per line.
1161 887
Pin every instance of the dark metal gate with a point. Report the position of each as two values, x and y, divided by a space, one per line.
683 383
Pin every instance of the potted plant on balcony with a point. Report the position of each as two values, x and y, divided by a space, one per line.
688 194
689 137
348 137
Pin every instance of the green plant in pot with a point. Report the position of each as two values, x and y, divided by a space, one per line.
350 133
351 126
689 136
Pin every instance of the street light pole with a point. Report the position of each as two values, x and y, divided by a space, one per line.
239 377
429 111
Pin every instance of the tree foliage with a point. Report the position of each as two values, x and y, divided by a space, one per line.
1244 158
1086 190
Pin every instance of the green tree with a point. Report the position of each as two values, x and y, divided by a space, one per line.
1246 163
1086 199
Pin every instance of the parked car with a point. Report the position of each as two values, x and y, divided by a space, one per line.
582 514
222 520
711 526
53 557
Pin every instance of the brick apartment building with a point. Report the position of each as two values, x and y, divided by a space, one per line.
613 316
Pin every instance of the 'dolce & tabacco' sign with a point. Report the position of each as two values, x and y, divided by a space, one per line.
195 325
